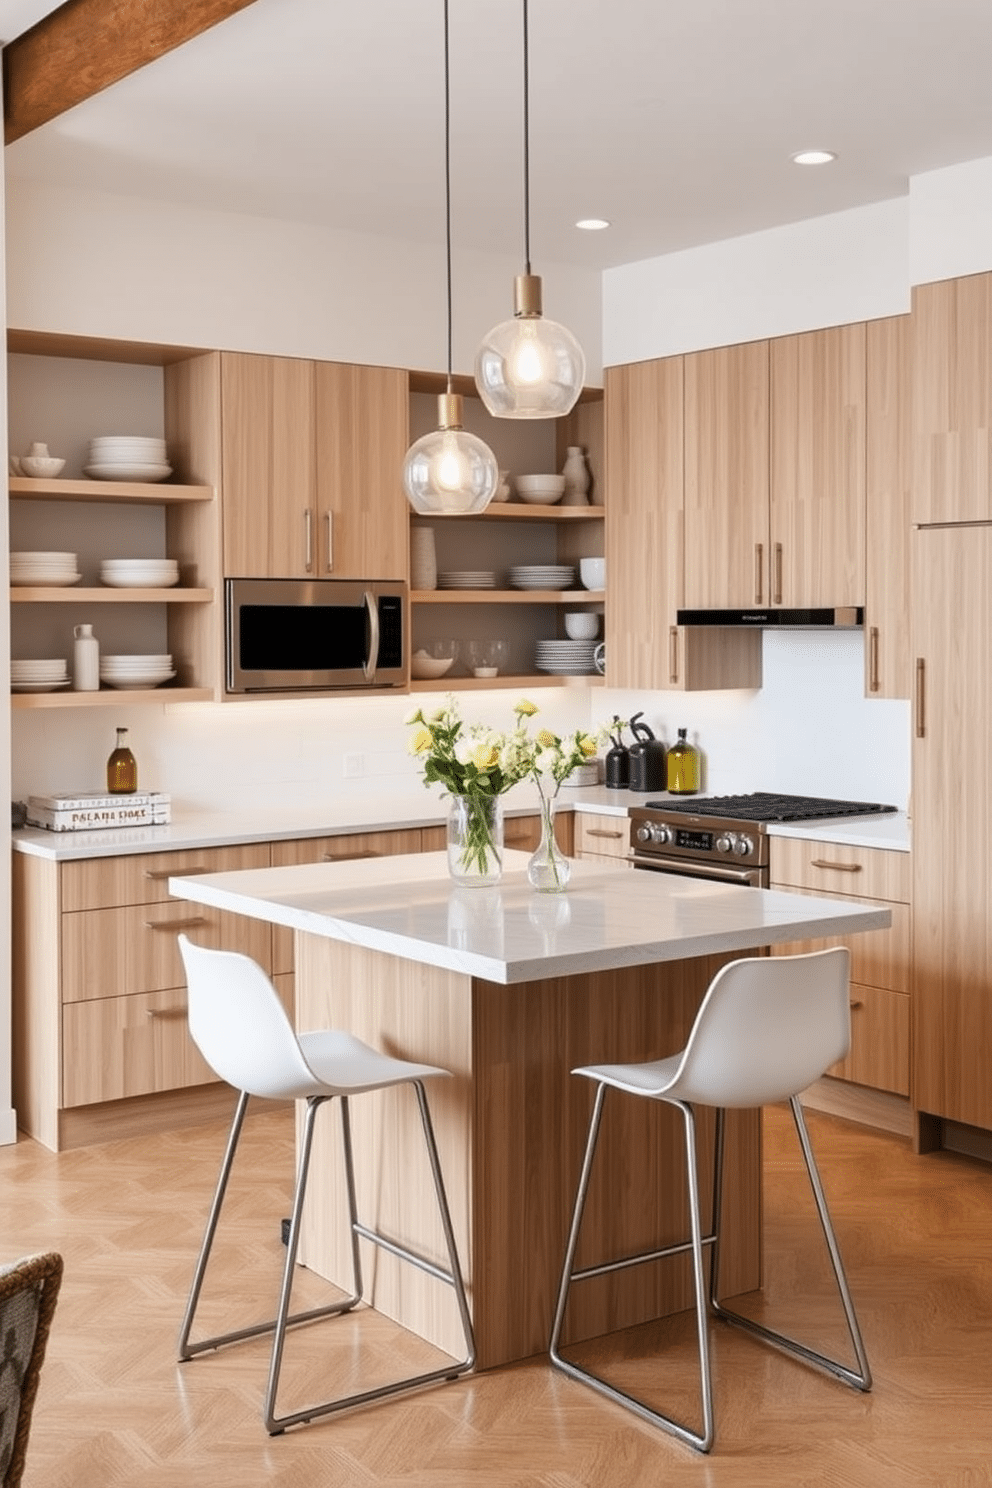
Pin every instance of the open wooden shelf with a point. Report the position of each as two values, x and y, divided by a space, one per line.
162 493
531 680
110 697
47 594
507 596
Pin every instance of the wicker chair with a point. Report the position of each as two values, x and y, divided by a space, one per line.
29 1290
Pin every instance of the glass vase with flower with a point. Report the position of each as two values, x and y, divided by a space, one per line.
552 758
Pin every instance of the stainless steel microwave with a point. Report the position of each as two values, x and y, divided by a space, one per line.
314 635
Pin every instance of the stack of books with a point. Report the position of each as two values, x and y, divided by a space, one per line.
87 811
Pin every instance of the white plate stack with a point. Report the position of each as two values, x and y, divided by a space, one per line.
565 658
136 671
39 676
467 578
56 570
139 573
542 576
127 457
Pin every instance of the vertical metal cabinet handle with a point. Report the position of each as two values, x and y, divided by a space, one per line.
778 573
673 653
921 698
330 542
873 659
308 538
759 577
372 663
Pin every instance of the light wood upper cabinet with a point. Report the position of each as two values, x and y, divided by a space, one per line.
952 809
888 500
362 429
817 468
645 535
952 400
312 454
726 477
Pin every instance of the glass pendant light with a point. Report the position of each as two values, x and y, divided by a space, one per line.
529 367
449 471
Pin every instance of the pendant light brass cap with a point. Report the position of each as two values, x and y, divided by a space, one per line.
449 410
527 297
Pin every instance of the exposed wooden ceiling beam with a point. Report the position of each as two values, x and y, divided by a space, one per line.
86 45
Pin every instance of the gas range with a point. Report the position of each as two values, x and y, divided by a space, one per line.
725 837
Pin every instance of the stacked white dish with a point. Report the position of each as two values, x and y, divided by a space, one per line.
565 658
138 573
542 576
54 569
127 457
39 676
467 578
136 671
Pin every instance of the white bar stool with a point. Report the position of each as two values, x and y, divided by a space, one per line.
767 1028
241 1029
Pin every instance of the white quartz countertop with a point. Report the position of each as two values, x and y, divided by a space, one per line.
608 918
416 807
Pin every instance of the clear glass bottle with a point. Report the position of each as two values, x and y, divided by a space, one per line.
122 768
683 767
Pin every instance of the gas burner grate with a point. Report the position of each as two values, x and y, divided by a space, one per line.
763 806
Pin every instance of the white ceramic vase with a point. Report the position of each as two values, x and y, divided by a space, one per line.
85 660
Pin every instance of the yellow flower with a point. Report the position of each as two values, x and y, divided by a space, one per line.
546 739
420 742
525 709
485 757
587 745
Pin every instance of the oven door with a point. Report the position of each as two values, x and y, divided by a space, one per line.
748 878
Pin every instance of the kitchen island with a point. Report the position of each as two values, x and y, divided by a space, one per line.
509 990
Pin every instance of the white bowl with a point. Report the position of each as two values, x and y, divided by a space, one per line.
44 467
592 572
424 666
581 625
540 489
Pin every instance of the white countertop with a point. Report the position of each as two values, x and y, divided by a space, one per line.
608 918
416 807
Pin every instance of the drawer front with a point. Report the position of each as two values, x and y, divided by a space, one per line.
601 836
342 848
113 952
827 867
879 1053
879 958
105 883
119 1046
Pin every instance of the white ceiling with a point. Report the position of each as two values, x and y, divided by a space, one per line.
675 119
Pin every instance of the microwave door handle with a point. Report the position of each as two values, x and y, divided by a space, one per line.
372 663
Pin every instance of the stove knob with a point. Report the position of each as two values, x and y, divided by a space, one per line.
660 835
724 844
744 846
645 833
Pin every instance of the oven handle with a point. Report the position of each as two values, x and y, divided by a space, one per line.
749 877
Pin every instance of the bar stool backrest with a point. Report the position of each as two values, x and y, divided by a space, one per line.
240 1027
767 1028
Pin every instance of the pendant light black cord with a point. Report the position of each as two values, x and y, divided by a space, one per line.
526 152
447 178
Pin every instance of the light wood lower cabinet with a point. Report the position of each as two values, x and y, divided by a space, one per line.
600 836
880 959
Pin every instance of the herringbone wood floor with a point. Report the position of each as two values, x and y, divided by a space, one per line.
116 1409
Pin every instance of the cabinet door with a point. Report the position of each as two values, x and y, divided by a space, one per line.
362 422
726 477
818 467
268 482
952 400
887 499
952 809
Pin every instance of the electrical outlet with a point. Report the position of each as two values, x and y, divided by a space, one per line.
354 766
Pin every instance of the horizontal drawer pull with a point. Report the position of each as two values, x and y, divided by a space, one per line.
158 875
838 867
169 1012
187 924
602 832
855 1006
350 857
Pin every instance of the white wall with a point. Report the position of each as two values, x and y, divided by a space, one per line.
8 1120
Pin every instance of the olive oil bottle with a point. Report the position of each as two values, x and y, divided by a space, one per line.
122 768
683 767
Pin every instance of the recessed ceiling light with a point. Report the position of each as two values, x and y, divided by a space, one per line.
592 224
813 157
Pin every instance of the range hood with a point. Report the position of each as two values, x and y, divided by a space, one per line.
848 617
